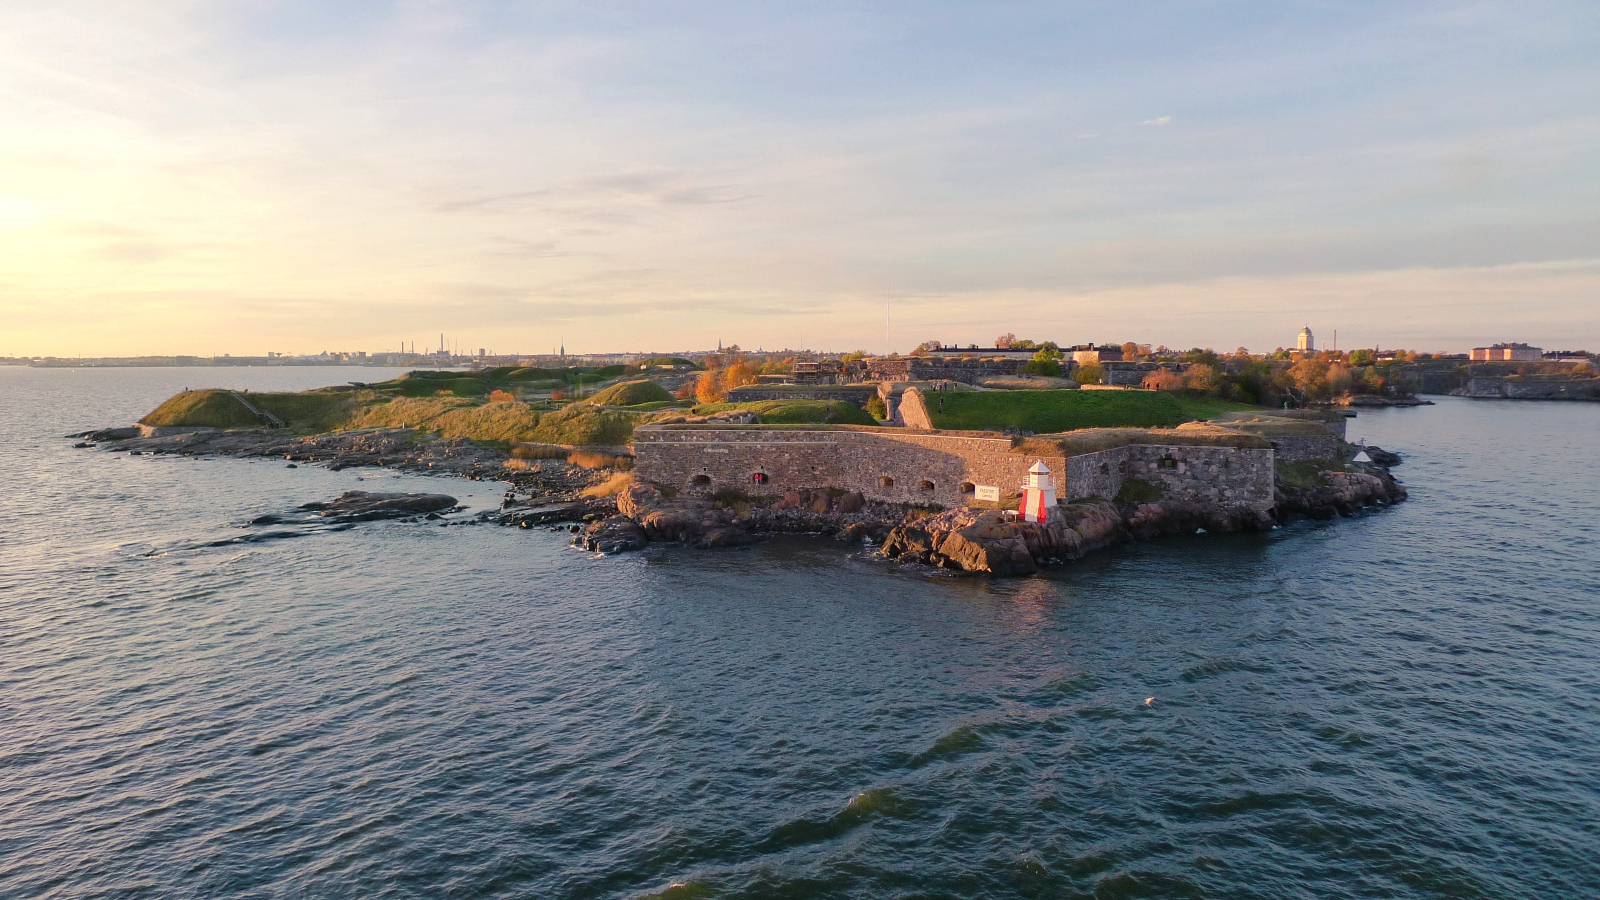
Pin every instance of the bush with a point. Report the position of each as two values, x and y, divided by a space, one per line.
1090 374
1046 367
630 393
877 408
499 396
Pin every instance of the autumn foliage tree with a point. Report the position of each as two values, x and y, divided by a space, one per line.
739 374
708 388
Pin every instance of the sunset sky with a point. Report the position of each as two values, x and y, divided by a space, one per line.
187 177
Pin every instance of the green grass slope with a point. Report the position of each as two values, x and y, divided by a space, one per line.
203 409
1046 412
631 393
797 412
1051 411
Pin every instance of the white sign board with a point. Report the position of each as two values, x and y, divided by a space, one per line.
986 492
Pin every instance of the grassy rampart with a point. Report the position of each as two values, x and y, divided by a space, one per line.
1052 411
796 412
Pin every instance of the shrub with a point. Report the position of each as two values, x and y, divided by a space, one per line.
1047 367
877 408
499 396
558 394
1090 374
686 390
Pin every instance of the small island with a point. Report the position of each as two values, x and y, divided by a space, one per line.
924 459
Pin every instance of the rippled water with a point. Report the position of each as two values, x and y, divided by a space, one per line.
1401 705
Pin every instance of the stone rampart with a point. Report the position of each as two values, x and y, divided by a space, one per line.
901 466
936 368
1303 448
857 394
1533 387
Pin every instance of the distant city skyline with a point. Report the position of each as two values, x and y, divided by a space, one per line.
180 178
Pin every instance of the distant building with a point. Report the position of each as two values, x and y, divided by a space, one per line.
1091 355
1306 343
1502 352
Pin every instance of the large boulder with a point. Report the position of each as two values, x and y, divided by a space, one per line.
362 506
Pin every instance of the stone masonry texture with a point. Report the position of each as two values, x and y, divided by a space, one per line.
942 469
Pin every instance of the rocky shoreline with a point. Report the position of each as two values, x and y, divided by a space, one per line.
551 493
989 541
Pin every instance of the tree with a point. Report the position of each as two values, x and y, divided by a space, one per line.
924 348
853 356
1362 357
708 387
1162 380
1004 341
739 374
686 390
1200 377
1045 362
1090 374
1130 351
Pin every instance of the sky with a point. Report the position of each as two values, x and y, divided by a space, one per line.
254 176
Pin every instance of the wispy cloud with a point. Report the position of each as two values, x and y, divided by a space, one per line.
1164 120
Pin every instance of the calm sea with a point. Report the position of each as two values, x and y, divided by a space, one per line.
1405 704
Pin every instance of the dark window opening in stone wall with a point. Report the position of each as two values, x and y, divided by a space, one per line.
886 481
759 478
927 485
1105 468
968 487
1169 463
700 481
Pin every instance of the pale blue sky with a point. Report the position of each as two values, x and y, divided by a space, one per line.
194 177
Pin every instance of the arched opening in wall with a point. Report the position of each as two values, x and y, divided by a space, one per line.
700 481
968 488
1168 462
886 482
1105 469
758 478
926 485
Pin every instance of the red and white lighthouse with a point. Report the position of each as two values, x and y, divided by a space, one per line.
1039 496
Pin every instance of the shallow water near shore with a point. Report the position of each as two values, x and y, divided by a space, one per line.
1404 704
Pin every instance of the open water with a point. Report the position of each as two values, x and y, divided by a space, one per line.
1405 704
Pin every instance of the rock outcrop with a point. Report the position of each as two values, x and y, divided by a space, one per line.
1338 494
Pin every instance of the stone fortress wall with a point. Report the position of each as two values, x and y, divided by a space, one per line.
899 466
938 368
858 394
1532 387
